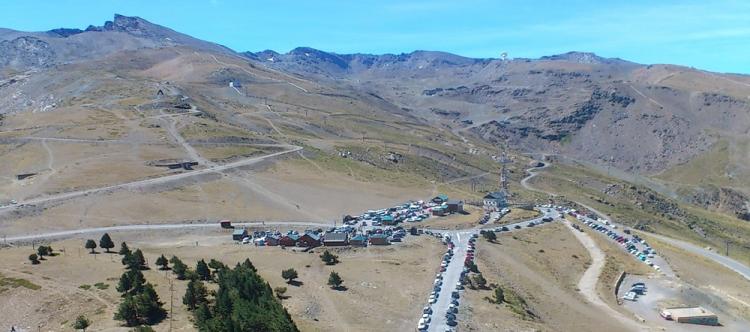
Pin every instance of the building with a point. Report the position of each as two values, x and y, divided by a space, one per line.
239 234
336 239
440 199
309 240
289 240
439 211
495 200
359 240
694 315
379 239
455 206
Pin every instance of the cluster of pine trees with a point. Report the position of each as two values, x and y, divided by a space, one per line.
140 304
243 302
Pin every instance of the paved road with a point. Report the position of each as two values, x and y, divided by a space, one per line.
730 263
150 182
451 276
155 227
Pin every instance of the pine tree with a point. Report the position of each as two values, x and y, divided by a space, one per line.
125 284
135 260
162 262
201 268
91 245
490 236
131 282
139 262
178 268
243 302
248 264
127 312
195 294
329 258
202 313
34 259
141 308
124 250
106 242
334 280
41 251
216 265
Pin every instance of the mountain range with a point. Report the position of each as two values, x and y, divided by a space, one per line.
681 130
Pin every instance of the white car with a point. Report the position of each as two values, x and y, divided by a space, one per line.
432 299
426 318
630 296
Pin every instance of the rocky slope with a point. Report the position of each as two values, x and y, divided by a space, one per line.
645 119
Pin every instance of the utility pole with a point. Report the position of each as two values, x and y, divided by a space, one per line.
727 247
171 302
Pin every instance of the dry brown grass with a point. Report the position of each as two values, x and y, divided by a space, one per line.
518 214
543 265
454 221
387 286
617 261
708 275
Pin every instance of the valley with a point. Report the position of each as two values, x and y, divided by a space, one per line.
163 140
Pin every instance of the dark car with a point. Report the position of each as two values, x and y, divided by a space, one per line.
517 227
504 229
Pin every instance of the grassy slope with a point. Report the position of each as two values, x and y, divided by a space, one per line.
577 184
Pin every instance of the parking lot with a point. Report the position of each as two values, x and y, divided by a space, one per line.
631 243
444 302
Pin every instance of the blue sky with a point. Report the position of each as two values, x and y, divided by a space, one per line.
712 35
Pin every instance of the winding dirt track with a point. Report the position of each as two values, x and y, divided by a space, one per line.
587 284
729 263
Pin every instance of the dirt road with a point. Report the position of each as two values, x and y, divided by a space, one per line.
151 182
157 227
587 284
730 263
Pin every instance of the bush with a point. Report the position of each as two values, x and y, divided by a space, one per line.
289 275
280 291
81 323
34 259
